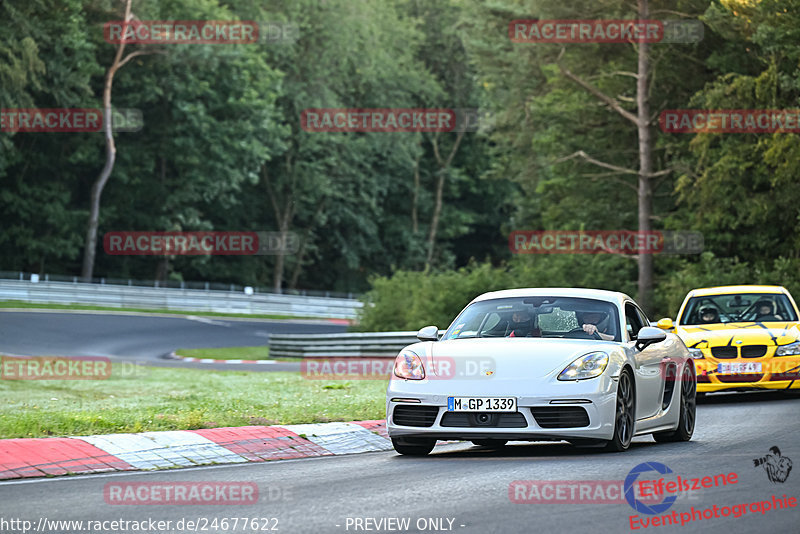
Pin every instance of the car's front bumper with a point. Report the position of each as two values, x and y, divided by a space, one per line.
597 397
781 372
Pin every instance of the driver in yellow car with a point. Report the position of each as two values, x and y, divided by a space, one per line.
765 311
709 315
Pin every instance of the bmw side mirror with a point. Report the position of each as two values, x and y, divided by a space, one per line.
429 333
665 324
649 335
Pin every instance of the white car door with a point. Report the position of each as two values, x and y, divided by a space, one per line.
649 378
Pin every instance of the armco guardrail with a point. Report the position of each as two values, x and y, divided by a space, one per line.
368 344
118 296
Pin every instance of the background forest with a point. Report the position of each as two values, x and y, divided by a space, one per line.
417 222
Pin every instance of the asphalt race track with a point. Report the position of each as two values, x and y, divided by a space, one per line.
458 488
141 338
468 485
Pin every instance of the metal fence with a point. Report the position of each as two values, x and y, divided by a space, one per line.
175 284
122 296
372 344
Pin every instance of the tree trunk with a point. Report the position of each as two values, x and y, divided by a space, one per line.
645 172
444 167
280 259
162 269
415 197
283 219
277 274
97 188
437 211
301 251
90 248
645 193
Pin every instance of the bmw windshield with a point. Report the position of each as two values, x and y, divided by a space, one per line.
741 307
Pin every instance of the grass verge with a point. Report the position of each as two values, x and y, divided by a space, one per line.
229 353
40 306
140 399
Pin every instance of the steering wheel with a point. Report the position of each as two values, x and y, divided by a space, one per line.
579 333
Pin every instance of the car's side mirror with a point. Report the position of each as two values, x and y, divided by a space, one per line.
665 324
429 333
649 335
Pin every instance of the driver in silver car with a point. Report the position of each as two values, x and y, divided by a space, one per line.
595 322
521 325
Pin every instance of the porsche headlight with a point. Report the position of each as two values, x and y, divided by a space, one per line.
409 366
697 354
587 366
792 349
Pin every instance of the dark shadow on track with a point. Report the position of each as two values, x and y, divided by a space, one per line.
528 451
740 397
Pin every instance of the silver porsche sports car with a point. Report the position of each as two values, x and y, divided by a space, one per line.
550 364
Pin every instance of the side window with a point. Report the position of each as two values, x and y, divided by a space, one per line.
632 321
491 326
643 318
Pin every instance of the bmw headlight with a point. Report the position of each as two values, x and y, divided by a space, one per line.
409 366
587 366
792 349
697 354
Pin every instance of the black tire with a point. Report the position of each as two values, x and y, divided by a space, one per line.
624 414
495 443
413 446
688 410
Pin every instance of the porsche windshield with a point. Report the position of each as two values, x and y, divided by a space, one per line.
545 317
742 307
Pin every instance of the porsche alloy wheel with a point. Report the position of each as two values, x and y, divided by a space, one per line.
688 410
625 416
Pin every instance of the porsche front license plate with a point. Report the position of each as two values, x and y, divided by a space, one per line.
481 404
739 368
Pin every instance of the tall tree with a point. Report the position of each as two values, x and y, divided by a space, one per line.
556 123
643 121
119 61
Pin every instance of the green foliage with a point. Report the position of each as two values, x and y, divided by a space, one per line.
743 191
410 300
222 147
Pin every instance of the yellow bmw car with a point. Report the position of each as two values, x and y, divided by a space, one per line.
741 337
